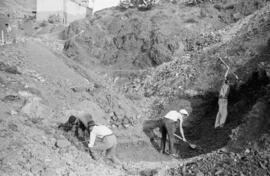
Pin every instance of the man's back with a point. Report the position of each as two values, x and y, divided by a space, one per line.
173 115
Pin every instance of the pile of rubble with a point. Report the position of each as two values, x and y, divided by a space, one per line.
252 161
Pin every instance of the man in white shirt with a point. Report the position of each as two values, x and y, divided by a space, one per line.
167 125
108 139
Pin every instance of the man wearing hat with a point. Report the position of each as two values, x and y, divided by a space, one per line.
167 125
108 140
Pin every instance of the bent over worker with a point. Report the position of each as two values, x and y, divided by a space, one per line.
167 125
108 140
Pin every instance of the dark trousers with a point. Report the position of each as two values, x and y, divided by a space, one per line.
166 126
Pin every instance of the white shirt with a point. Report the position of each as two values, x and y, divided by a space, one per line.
174 115
224 91
98 131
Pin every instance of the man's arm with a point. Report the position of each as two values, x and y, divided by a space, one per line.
228 68
181 130
227 72
92 139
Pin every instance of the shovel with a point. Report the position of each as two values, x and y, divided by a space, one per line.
193 146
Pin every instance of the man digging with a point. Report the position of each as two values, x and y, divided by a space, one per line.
223 99
167 125
108 141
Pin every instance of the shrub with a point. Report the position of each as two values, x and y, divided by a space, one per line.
44 23
54 18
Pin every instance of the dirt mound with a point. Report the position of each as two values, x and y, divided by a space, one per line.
232 11
105 75
17 8
136 39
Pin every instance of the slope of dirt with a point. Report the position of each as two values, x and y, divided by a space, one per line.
128 66
17 8
135 39
31 105
245 47
39 88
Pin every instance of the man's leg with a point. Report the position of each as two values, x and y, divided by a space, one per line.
171 129
217 123
149 126
99 147
224 112
163 138
111 152
218 118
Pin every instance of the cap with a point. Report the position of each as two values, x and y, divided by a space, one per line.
183 111
91 123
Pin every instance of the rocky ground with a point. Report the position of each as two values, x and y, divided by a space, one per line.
125 66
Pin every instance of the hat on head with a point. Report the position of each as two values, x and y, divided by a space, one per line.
183 111
91 123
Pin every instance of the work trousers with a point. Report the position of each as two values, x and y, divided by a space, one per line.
108 144
222 112
166 126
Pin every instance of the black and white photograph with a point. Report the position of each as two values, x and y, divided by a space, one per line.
134 87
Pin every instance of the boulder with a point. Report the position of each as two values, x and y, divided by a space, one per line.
62 143
34 107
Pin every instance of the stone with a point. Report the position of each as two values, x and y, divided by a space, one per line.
199 174
36 169
247 151
62 143
219 171
34 108
13 112
237 16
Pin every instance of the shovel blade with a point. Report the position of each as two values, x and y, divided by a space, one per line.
193 146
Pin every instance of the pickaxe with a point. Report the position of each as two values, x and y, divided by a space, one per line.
227 67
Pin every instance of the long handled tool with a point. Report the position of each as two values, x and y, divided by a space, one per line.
227 67
193 146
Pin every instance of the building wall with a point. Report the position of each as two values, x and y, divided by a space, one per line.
66 9
45 8
74 11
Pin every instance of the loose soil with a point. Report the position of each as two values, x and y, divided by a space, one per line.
129 66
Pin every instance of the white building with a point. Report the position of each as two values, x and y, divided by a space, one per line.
98 5
70 10
67 10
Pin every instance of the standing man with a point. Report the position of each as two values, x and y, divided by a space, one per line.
167 125
8 32
108 139
223 101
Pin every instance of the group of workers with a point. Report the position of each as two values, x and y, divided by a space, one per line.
80 121
167 126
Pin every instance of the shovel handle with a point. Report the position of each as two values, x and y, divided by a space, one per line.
191 145
178 136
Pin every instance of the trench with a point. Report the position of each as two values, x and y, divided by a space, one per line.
241 100
200 130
